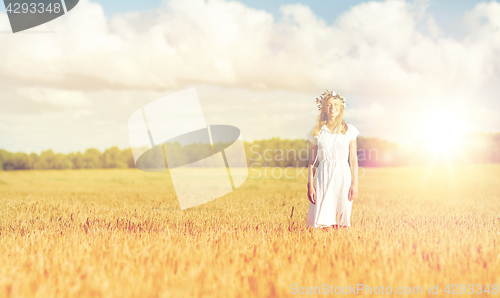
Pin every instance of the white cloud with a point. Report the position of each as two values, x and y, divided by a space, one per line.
375 44
56 97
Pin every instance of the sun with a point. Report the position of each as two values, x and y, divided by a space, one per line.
442 131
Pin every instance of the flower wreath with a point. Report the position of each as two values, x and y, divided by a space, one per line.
328 94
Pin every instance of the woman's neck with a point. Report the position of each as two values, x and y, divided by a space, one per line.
330 121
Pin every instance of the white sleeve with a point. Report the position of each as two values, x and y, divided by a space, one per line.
312 138
354 132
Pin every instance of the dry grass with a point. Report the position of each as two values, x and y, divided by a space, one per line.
120 233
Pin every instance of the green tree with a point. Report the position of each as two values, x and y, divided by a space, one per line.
112 158
92 159
46 160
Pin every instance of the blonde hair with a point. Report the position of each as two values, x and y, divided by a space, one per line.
323 118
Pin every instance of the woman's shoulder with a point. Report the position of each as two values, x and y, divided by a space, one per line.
313 130
352 131
310 133
350 125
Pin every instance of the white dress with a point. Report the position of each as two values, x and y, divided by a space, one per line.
333 178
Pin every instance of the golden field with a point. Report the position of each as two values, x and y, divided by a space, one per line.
120 233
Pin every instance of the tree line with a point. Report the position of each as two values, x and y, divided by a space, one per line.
90 159
275 152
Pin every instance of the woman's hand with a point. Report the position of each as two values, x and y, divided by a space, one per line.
311 193
353 192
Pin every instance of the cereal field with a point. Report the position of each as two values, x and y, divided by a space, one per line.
120 233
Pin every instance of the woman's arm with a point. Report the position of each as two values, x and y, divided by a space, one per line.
353 161
311 192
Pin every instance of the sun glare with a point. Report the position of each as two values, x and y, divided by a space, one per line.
442 131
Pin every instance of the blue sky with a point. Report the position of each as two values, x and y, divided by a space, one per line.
447 13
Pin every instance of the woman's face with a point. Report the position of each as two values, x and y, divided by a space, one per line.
333 107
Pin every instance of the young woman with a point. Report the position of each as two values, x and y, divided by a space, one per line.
334 185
